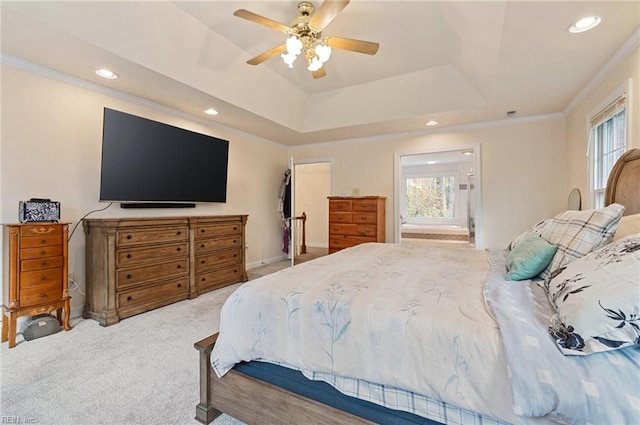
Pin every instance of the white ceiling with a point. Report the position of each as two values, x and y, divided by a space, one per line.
458 62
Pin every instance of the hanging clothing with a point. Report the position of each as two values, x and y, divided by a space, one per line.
284 208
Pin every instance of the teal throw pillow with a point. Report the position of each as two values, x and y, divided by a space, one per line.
530 256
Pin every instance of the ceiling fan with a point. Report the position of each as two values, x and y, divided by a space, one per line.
305 36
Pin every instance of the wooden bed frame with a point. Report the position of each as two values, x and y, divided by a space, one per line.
254 401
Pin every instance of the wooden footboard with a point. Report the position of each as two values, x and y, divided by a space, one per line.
257 402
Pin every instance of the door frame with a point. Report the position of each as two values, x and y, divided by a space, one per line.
292 166
477 171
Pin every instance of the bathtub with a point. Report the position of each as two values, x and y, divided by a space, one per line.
436 232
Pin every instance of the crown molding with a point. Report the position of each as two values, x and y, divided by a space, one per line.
53 74
614 61
451 129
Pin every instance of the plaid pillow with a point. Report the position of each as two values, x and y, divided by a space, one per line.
577 233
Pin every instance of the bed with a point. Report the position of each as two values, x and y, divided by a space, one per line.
384 333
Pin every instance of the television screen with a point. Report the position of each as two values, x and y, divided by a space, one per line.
148 161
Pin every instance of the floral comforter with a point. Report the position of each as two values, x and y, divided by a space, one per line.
402 316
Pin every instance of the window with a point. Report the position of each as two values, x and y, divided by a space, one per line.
607 144
431 198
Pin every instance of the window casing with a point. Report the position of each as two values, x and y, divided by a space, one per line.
608 141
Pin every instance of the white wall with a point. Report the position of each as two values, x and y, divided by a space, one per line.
523 170
312 186
577 120
51 148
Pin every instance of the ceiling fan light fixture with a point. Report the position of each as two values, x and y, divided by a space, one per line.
294 45
289 59
314 64
324 52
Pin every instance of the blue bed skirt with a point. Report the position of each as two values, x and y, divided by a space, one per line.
322 392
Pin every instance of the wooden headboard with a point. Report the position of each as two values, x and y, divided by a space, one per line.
623 186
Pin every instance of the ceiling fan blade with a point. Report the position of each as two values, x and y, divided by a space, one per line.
267 55
366 47
327 12
258 19
319 73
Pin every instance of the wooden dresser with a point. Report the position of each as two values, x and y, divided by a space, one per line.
137 264
35 276
355 220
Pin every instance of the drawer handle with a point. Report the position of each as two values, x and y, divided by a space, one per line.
129 236
43 241
201 245
203 279
44 263
43 277
179 249
129 255
179 266
235 255
129 298
129 276
178 233
202 230
202 261
235 241
179 285
43 252
235 270
235 227
43 295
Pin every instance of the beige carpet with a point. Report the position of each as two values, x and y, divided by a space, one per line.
143 370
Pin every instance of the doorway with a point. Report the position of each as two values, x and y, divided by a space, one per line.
437 196
312 184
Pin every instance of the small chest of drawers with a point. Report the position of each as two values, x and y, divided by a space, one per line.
35 273
353 221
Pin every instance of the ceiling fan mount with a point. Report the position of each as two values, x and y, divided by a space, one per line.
305 36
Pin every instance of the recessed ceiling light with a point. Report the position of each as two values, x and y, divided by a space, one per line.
431 123
210 111
105 73
585 24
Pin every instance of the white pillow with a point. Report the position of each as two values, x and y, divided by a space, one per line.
577 233
597 299
629 224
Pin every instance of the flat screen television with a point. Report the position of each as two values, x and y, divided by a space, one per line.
149 163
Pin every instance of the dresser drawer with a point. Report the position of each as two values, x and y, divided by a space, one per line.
205 245
218 259
214 279
41 277
165 292
40 294
136 275
341 205
364 217
340 217
38 264
365 205
341 242
353 229
43 252
131 256
29 230
140 236
218 230
40 241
